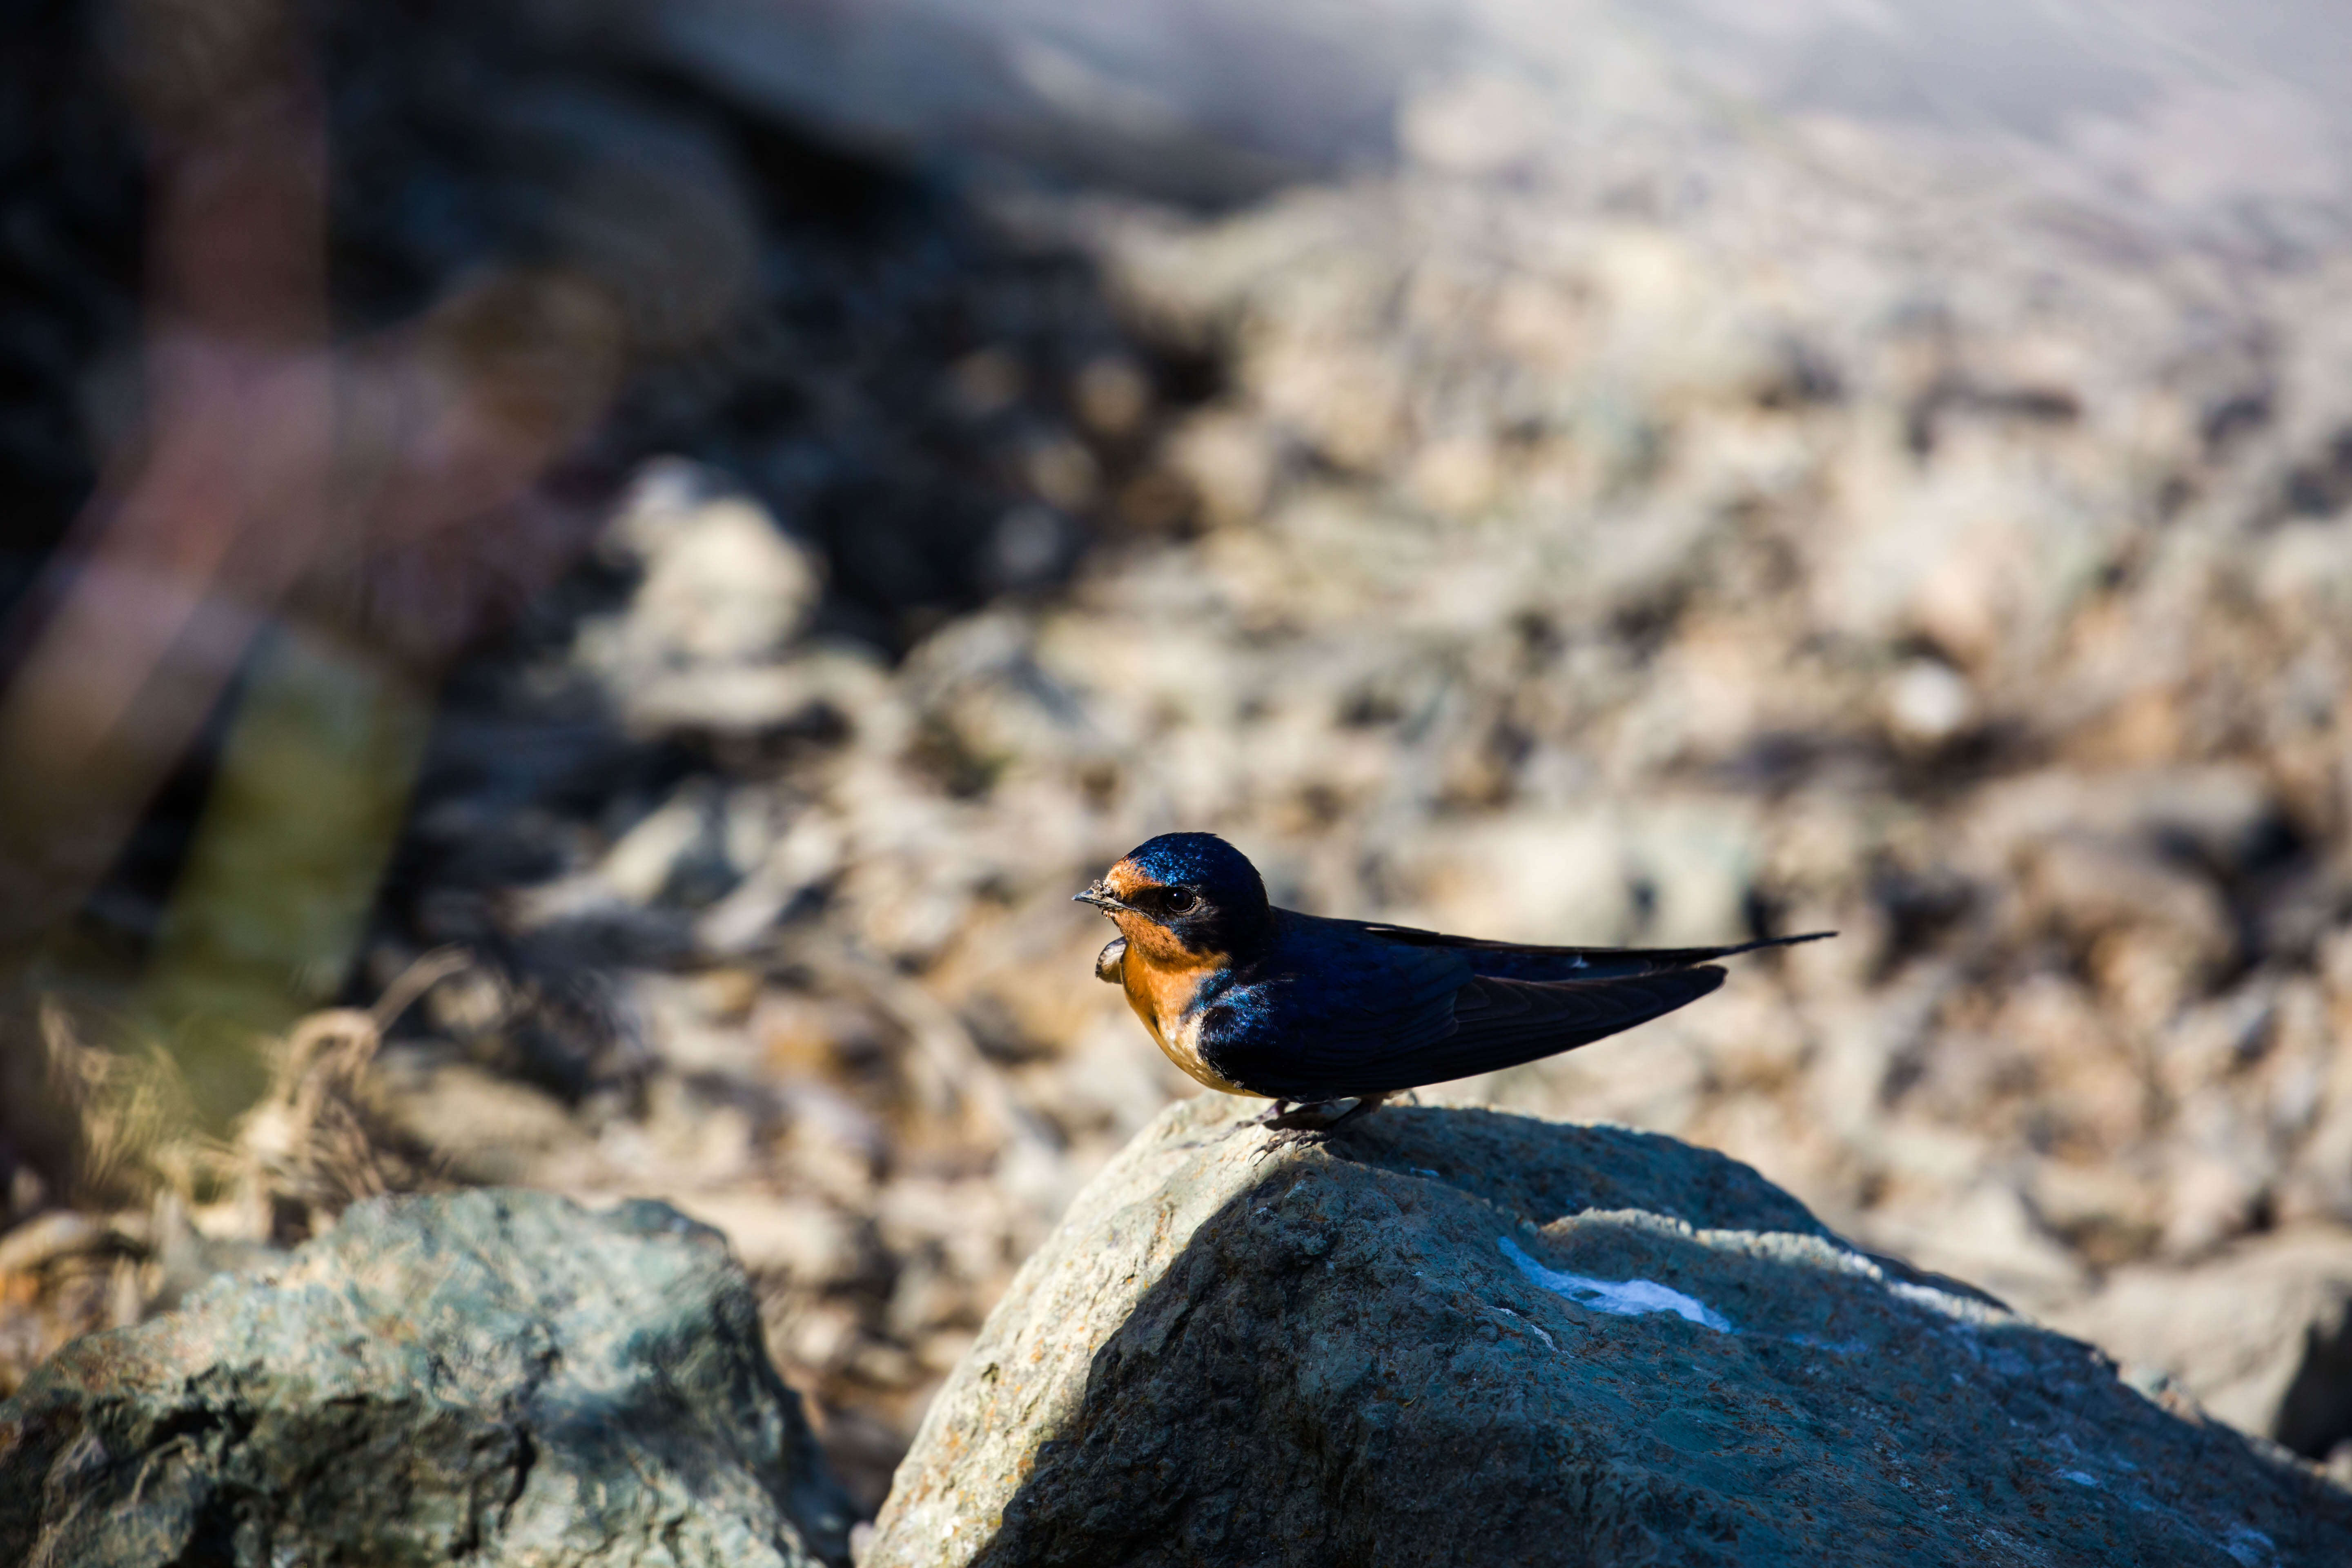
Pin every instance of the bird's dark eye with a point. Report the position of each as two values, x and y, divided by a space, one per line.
1180 900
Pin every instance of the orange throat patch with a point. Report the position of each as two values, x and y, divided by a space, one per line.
1163 978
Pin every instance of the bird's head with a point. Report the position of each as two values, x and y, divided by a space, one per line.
1183 897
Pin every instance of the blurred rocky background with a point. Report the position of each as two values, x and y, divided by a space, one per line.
586 579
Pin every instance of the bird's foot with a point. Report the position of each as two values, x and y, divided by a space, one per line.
1295 1123
1309 1116
1283 1140
1318 1115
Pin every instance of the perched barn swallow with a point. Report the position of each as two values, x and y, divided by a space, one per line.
1327 1017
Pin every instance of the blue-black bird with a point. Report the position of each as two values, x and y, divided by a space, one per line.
1327 1017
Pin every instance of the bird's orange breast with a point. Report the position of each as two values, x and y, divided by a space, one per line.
1162 979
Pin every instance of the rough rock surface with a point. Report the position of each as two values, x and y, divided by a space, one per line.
493 1378
1452 1335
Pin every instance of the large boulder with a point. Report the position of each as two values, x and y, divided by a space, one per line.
487 1378
1457 1336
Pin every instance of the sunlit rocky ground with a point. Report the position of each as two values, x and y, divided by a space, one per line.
1712 529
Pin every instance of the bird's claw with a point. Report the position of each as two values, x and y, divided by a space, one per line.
1294 1123
1313 1116
1282 1139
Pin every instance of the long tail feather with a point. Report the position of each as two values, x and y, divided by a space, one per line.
1517 960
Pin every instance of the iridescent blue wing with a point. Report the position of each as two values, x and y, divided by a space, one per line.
1326 997
1349 1008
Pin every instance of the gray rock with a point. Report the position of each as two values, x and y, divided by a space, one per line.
490 1377
1450 1335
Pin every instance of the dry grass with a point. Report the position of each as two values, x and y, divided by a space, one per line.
319 1141
132 1121
152 1202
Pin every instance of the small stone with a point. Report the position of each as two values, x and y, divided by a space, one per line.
1112 394
1929 702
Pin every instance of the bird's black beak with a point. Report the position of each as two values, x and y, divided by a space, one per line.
1098 899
